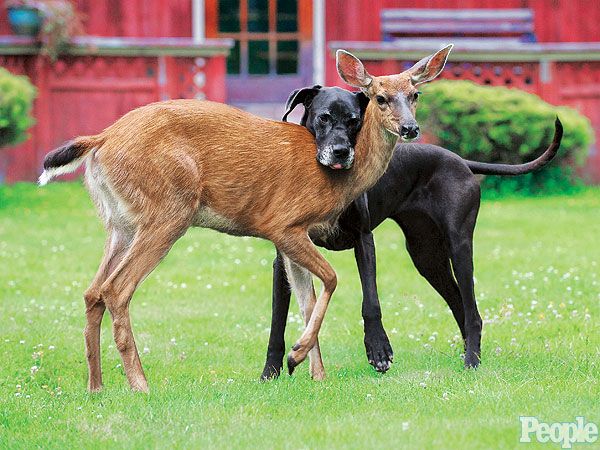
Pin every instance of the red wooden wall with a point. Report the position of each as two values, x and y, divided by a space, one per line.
555 20
131 18
84 94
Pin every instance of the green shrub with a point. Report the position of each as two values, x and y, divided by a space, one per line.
497 124
16 98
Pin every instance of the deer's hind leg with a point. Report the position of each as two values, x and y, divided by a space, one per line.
117 242
151 243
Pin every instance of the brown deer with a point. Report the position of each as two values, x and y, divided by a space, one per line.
167 166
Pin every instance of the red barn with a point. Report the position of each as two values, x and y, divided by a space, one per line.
252 53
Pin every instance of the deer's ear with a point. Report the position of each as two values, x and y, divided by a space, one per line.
429 67
351 70
304 96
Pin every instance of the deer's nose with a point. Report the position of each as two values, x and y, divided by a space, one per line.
410 131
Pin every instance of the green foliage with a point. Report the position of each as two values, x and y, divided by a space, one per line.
16 98
497 124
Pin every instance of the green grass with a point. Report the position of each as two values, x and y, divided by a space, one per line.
203 318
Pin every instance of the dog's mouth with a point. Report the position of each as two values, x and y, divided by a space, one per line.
326 158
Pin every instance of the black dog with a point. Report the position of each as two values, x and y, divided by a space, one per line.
432 194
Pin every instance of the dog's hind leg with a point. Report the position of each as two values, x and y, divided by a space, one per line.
461 255
302 284
431 258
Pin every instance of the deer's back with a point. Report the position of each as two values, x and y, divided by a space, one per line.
243 174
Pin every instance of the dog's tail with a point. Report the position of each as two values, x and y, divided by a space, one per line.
480 168
68 157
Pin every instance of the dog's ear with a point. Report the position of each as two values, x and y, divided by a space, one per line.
363 101
304 96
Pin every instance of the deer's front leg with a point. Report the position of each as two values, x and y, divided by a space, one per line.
377 344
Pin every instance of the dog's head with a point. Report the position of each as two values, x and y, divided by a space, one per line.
334 116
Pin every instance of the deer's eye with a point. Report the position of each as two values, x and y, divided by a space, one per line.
416 96
381 99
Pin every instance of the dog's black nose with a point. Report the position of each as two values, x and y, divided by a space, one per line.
409 131
340 151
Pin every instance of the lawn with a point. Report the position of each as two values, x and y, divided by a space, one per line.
202 319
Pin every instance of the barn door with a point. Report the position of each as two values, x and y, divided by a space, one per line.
272 52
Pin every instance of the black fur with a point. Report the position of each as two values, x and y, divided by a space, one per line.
432 195
64 154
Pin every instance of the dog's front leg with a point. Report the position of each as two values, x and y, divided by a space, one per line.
377 344
281 306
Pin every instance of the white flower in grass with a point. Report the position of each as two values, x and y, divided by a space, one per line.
34 370
405 426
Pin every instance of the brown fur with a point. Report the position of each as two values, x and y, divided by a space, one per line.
167 166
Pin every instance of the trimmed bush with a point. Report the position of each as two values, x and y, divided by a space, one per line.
16 99
497 124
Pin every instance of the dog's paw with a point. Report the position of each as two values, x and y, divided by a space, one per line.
379 350
271 371
472 360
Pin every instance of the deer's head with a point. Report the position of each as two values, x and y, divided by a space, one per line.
394 96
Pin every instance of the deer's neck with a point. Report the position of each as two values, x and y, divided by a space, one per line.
374 149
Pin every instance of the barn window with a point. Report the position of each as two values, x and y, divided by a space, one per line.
265 33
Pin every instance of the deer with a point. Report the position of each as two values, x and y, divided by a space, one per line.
168 166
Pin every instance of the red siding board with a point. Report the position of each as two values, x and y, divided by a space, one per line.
62 110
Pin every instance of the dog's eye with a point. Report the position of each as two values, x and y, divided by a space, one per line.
353 123
324 118
381 99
